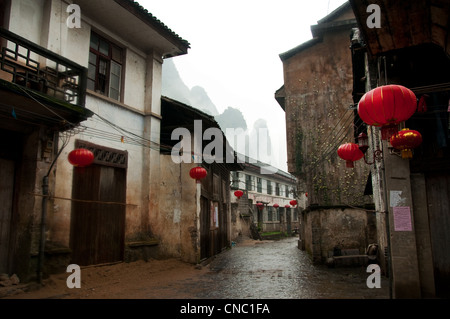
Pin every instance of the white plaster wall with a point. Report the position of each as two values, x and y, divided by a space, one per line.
44 23
135 69
76 43
26 18
110 137
264 179
156 84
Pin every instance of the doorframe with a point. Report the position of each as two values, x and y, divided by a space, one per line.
107 157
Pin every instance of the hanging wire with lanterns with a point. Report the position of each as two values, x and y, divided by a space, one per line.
385 107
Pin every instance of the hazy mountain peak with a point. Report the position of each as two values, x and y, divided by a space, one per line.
174 87
231 118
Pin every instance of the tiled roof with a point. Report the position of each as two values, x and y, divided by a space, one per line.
323 24
156 22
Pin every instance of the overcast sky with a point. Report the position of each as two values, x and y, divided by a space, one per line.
235 47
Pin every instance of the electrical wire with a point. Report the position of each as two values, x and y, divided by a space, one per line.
332 141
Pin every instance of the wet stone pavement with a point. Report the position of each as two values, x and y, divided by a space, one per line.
279 270
251 269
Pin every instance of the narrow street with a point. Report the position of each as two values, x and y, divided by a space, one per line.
279 270
250 270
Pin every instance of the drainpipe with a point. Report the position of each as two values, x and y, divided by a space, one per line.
388 230
45 194
197 219
43 227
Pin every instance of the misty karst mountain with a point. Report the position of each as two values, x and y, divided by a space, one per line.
257 141
261 142
231 118
174 88
172 85
200 98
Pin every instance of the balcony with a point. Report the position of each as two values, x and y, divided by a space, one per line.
38 86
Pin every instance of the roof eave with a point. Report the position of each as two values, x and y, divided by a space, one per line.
145 16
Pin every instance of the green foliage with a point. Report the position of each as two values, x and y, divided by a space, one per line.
274 235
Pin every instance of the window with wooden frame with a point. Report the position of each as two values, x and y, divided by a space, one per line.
248 182
270 214
269 187
105 67
235 179
259 184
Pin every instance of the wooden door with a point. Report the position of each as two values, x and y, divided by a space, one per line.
438 198
98 221
6 200
223 227
214 228
205 243
3 12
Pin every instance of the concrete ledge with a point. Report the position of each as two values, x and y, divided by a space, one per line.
143 243
348 261
141 250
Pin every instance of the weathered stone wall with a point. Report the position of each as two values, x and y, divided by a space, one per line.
240 223
175 223
347 228
318 84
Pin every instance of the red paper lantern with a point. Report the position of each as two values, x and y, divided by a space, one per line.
387 106
287 206
306 194
80 157
260 206
406 140
276 205
238 193
350 152
197 173
293 202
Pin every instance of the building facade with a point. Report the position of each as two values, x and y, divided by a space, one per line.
414 53
317 99
194 220
258 186
96 85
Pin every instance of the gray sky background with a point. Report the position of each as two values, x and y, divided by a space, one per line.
235 47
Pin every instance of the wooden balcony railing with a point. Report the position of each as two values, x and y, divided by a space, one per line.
34 67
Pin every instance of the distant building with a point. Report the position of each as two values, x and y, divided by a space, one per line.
268 189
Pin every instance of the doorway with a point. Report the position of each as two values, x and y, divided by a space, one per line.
97 229
438 198
7 168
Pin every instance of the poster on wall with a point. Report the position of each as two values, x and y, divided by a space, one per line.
402 218
214 215
396 198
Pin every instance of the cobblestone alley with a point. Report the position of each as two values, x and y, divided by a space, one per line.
250 270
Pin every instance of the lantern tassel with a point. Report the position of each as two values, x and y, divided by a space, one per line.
407 153
349 164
